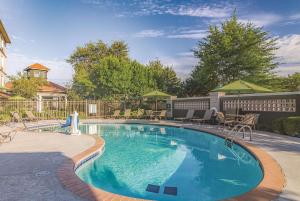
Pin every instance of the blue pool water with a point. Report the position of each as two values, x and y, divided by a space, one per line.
198 164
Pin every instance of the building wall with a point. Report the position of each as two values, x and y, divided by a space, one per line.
2 61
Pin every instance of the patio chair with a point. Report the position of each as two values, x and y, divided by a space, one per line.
7 134
31 116
127 114
139 114
148 114
247 123
116 114
17 118
162 115
189 116
206 118
223 121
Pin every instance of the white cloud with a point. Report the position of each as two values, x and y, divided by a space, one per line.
23 40
288 69
295 16
150 33
190 34
182 63
202 11
60 71
289 51
261 19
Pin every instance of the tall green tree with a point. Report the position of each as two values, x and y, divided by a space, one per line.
232 51
165 77
106 71
26 87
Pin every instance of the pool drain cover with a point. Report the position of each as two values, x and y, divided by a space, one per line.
170 190
152 188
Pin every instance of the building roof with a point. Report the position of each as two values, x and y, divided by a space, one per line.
4 95
49 87
37 66
4 33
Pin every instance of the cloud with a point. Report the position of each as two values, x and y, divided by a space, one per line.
60 71
289 48
295 16
21 39
261 19
190 34
202 11
150 33
288 69
182 63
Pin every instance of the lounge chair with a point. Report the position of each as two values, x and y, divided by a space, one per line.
206 117
139 114
7 134
189 116
16 117
149 114
247 123
162 115
223 121
31 116
127 114
115 115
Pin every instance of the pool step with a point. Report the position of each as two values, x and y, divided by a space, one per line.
168 190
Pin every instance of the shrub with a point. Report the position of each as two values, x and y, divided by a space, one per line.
288 126
5 118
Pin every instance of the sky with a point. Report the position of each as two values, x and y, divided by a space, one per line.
48 31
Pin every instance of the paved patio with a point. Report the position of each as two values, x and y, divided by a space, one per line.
28 164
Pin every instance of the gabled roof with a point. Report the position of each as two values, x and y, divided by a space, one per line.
49 87
3 31
37 66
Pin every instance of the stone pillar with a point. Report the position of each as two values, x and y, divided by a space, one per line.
39 102
215 99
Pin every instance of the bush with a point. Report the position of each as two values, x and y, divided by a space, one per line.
288 126
5 118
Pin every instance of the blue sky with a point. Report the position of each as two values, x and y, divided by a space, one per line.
48 31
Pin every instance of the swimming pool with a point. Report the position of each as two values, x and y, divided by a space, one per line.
197 164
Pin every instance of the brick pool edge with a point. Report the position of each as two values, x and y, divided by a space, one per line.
269 188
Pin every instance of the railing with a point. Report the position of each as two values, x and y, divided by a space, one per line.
54 109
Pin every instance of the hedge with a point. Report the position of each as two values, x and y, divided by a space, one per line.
288 126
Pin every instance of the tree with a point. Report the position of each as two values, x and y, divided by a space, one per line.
103 71
26 87
230 52
165 77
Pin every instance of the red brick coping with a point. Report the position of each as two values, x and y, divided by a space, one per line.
269 188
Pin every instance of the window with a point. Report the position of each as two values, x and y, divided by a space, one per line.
36 73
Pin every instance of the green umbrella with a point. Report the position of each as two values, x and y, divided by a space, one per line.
241 87
156 95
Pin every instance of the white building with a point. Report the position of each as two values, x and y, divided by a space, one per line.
4 40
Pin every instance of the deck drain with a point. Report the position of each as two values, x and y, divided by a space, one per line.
42 173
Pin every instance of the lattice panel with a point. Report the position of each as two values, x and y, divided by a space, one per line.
192 105
268 105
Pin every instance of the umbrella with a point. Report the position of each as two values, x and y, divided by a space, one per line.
241 87
156 95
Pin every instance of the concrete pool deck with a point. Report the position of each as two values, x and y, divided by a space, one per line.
29 162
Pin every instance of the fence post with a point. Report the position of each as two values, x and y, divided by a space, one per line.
39 103
86 109
214 99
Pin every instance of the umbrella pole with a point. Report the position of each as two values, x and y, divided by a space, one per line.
155 104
